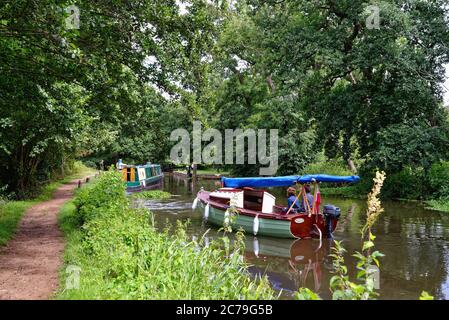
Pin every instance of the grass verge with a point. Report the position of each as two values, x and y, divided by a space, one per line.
438 205
152 195
121 255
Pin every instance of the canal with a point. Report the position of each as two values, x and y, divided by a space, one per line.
415 242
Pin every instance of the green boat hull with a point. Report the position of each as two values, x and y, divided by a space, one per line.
267 227
149 183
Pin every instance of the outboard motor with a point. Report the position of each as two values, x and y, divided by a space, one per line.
331 213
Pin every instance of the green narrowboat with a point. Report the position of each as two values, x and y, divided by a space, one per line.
141 177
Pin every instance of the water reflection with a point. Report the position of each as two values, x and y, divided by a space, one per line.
289 265
415 242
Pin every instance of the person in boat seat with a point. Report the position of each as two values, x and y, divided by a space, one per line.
309 196
291 200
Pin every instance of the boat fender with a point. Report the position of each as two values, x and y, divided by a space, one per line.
321 237
256 225
195 204
226 218
206 212
256 247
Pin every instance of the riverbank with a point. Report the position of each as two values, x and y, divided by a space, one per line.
431 187
208 174
12 211
120 254
438 205
351 192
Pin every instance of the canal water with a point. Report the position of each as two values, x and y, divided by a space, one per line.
415 242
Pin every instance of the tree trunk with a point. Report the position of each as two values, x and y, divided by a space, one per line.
351 166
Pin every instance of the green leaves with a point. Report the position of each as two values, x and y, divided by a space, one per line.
367 245
307 294
362 87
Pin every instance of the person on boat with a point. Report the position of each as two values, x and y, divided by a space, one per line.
292 200
305 207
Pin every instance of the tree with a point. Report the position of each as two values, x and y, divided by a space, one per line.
43 62
354 81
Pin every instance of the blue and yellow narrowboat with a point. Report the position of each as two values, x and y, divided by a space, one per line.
141 177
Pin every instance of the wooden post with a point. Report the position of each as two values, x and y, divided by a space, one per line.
194 166
194 178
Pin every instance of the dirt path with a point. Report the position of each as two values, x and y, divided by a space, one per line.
30 263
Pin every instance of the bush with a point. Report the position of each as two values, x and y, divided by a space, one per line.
333 167
90 164
406 184
3 196
439 180
107 192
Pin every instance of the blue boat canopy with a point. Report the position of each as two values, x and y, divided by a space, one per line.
285 181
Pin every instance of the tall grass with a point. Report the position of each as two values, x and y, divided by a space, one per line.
122 256
12 211
10 215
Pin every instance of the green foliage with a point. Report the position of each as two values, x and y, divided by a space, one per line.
123 256
342 288
438 205
439 180
306 294
413 145
328 166
117 86
409 183
151 195
374 94
77 92
108 191
346 192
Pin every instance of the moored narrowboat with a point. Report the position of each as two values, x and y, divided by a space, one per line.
254 210
141 177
